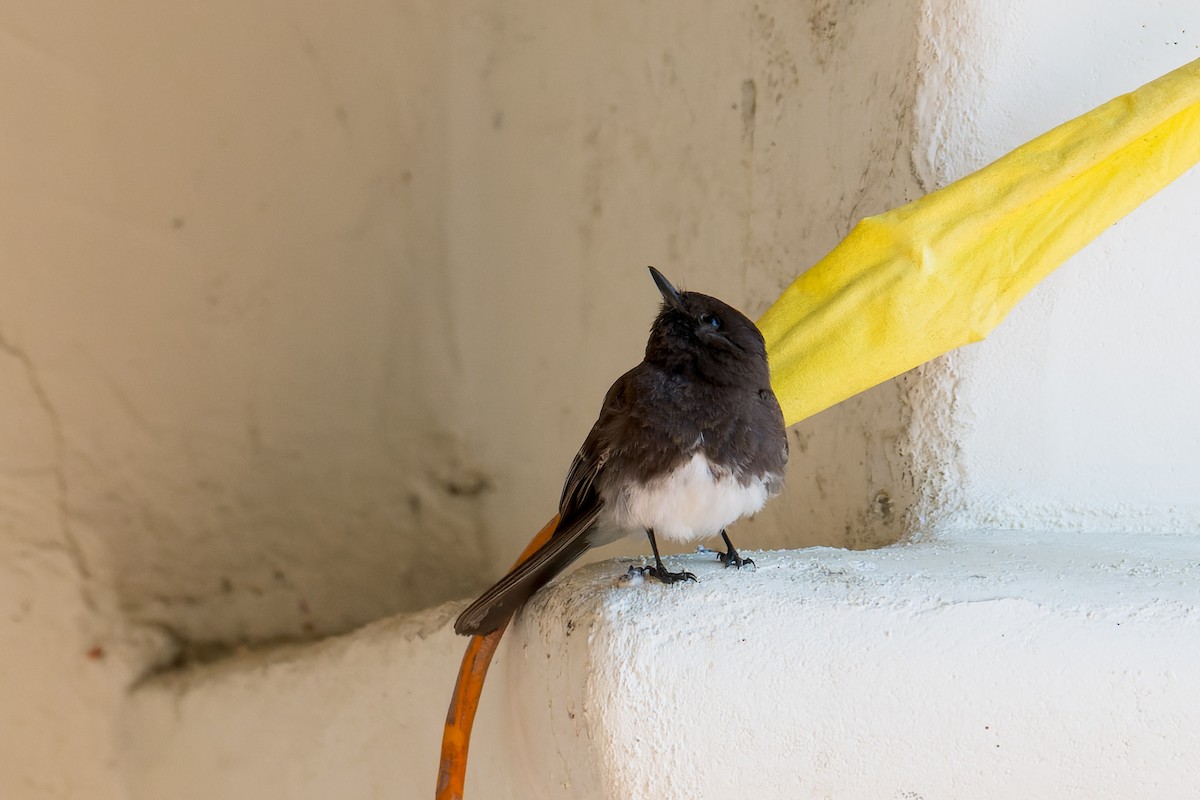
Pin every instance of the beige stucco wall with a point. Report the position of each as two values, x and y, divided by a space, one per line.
730 148
305 308
221 234
219 229
295 281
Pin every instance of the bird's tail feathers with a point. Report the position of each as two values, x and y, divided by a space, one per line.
500 602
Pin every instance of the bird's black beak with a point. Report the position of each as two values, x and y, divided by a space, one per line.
670 293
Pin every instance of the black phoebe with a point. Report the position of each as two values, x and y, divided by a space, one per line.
688 442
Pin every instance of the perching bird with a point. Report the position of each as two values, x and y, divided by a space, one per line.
687 443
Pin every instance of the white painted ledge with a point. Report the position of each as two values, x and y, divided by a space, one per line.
998 666
355 716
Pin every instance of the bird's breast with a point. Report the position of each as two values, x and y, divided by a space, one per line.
694 501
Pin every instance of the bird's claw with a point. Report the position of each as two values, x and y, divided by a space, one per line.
662 574
732 559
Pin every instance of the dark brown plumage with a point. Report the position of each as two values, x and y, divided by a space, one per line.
686 443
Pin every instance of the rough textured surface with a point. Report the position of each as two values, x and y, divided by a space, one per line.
298 300
992 667
221 228
66 656
353 716
1077 412
284 287
1030 665
730 148
296 280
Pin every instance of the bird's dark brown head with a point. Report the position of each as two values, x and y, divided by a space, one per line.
698 335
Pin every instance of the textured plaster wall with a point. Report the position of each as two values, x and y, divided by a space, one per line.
354 716
304 308
1079 412
731 146
323 300
66 657
220 238
223 258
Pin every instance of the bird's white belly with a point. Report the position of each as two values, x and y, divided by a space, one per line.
693 502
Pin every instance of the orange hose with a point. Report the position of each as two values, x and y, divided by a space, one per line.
456 737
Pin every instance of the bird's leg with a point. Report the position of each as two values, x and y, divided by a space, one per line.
731 557
659 570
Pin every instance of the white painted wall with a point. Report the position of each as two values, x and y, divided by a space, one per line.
1079 412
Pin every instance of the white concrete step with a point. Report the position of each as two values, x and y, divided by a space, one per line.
991 666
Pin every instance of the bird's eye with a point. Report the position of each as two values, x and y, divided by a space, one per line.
711 320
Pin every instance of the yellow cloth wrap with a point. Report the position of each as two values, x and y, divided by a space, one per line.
920 280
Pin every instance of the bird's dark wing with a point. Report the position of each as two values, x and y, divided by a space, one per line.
495 606
579 489
578 508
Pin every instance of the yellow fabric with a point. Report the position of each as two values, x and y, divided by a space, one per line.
920 280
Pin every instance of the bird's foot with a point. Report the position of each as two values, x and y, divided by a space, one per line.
732 559
661 573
